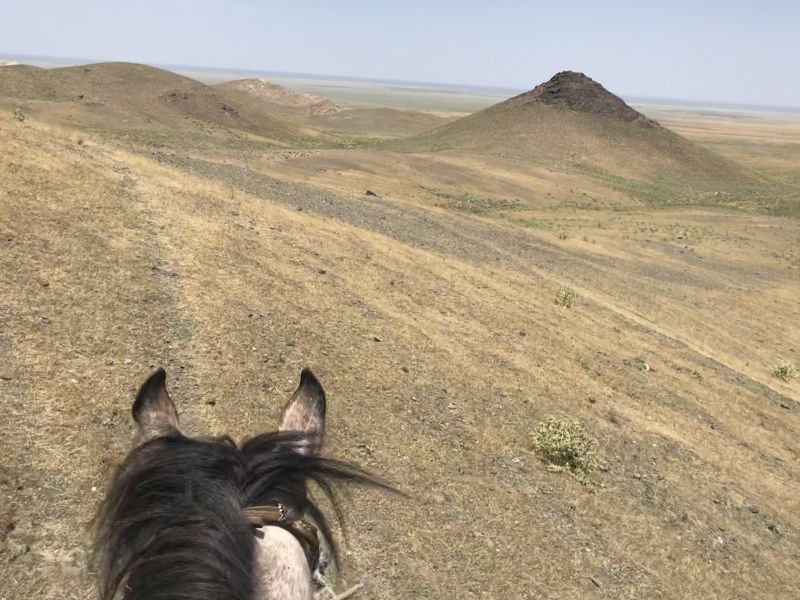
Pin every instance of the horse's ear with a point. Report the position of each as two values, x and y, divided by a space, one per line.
305 411
153 409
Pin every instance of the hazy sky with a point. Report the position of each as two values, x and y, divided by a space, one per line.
734 51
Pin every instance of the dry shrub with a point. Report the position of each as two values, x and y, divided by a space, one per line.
565 446
785 371
565 296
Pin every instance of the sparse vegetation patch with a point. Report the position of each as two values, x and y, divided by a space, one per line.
475 203
565 446
785 371
18 114
565 296
638 363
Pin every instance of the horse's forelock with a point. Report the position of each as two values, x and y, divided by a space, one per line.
173 524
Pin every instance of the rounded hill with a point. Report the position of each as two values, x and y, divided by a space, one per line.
113 90
573 123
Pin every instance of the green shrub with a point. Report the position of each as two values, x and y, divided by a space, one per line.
565 296
638 362
785 371
475 203
565 446
18 115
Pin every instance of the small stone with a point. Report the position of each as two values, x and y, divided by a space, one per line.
321 271
753 509
404 369
375 338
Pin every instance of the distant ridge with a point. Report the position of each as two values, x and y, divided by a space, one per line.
282 96
324 115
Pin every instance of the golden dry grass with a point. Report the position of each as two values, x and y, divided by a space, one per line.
113 262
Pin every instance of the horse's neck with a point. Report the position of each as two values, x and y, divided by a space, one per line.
282 571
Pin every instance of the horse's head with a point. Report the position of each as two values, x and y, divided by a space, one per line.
209 519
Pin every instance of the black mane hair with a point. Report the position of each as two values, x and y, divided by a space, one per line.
173 524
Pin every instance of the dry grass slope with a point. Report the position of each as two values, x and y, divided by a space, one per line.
380 122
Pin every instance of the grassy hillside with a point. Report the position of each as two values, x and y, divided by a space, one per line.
379 122
438 337
131 96
573 124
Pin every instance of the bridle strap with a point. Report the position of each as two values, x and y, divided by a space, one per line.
281 516
268 514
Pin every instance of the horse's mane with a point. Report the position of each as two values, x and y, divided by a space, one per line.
173 524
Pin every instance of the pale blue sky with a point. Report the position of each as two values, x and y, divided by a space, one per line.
731 51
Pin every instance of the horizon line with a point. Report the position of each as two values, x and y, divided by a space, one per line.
634 98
